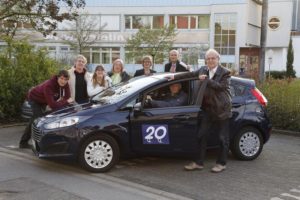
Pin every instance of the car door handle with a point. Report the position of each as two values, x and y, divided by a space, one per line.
182 117
235 105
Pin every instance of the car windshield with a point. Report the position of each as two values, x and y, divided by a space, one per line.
123 90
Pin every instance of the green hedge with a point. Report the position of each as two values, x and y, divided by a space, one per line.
283 102
21 67
279 74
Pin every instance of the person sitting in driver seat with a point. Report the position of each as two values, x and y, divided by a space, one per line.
176 97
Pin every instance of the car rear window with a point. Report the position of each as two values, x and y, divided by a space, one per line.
237 89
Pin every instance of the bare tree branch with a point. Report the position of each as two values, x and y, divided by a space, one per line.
85 32
42 15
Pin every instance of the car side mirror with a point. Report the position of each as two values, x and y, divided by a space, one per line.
137 107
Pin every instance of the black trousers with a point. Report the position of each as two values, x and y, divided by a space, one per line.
222 127
37 111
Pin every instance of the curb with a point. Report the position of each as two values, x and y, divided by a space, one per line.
12 125
285 132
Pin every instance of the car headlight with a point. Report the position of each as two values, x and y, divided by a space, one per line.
64 122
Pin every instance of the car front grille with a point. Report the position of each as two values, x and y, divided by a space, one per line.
36 133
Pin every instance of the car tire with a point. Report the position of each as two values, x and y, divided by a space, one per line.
247 144
99 153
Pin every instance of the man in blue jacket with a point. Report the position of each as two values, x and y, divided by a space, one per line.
176 97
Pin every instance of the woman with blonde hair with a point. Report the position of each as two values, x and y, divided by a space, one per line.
117 73
99 81
147 64
79 77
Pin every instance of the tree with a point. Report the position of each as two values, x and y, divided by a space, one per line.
21 67
41 15
154 42
83 33
290 72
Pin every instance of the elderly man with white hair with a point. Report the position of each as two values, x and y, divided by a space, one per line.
216 106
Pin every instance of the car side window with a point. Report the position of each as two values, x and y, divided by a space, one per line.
129 105
169 95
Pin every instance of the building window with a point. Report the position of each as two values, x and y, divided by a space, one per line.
225 33
190 21
51 48
138 21
110 22
92 22
130 59
101 55
64 48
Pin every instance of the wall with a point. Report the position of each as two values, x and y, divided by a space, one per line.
283 10
296 45
253 23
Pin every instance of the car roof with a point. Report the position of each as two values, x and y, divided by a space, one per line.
162 78
244 81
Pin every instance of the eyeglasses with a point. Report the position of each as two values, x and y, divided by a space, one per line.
211 58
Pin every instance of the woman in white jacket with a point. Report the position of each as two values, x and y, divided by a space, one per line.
98 82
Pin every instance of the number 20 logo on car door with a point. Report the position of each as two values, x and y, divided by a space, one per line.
155 134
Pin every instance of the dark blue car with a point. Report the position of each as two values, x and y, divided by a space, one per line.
119 122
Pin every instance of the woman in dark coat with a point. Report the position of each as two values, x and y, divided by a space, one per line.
147 64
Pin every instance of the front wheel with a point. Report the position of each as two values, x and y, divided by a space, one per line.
99 153
247 144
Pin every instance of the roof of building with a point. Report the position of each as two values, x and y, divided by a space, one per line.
134 3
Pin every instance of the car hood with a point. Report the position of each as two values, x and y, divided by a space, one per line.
87 109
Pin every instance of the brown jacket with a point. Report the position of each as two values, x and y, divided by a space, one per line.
216 99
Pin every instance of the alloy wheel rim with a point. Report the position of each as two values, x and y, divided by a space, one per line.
98 154
249 144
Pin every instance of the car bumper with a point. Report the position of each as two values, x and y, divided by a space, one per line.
54 143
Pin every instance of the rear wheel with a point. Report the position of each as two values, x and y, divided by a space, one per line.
99 153
247 144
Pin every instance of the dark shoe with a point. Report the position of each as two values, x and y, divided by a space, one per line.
218 168
24 145
193 166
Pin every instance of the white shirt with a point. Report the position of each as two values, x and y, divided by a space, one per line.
94 90
212 72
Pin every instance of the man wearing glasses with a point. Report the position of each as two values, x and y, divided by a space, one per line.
216 106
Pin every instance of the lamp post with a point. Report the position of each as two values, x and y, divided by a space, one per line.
270 62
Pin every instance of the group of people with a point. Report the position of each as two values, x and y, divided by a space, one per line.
76 86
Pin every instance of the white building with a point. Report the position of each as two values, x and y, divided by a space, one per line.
230 26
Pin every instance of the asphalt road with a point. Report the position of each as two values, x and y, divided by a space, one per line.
274 175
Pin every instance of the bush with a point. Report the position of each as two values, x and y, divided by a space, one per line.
283 102
21 67
276 74
280 74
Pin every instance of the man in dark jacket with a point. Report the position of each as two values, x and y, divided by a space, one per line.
54 93
175 65
216 105
176 97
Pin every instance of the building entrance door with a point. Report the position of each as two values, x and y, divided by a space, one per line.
249 62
